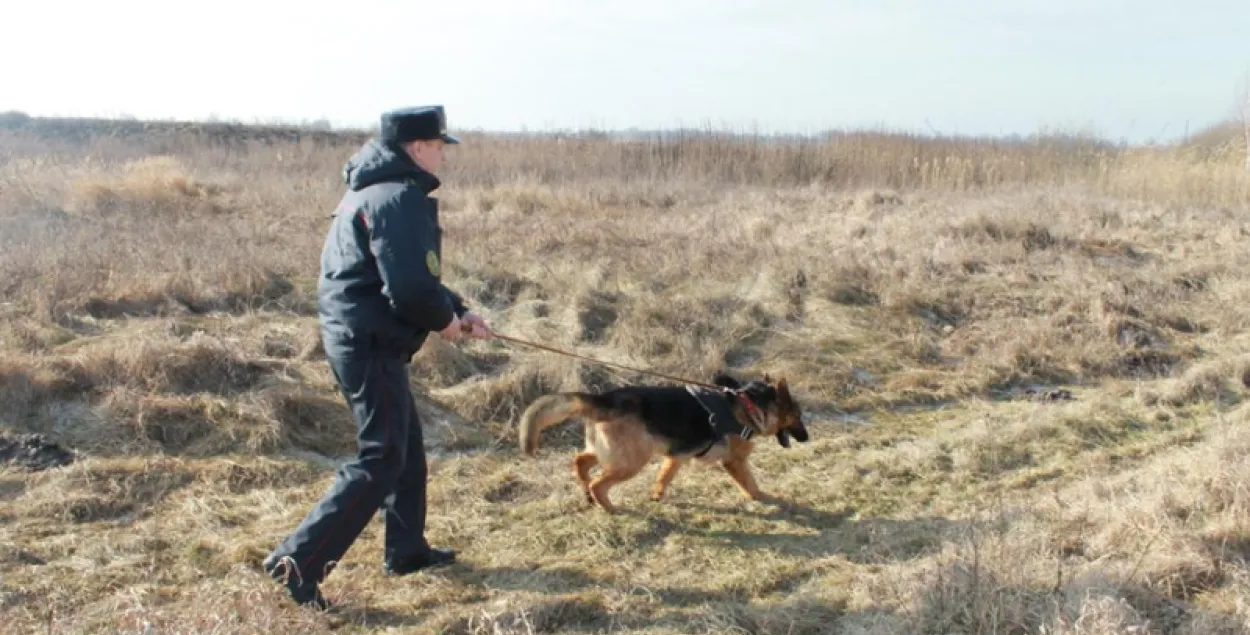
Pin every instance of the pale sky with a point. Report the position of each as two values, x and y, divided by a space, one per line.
1121 68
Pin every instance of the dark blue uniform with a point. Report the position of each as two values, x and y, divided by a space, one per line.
380 295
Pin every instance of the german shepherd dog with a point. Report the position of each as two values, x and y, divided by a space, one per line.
626 427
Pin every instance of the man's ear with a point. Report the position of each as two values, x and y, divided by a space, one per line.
410 149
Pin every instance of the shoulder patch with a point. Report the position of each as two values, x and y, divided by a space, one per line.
431 263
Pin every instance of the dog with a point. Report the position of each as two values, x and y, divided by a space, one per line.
626 427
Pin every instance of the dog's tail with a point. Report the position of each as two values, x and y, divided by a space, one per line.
547 411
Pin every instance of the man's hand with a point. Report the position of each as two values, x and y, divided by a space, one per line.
452 332
476 327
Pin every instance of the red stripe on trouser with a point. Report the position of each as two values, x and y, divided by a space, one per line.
385 410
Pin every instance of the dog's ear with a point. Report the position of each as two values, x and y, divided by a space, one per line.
768 379
761 392
783 438
786 402
783 394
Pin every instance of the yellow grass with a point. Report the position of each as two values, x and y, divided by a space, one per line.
928 299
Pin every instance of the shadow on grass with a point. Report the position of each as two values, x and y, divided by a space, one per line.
829 532
570 597
960 597
968 594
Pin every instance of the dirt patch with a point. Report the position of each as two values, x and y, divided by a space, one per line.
1040 394
595 378
506 490
1037 238
306 420
1110 249
794 289
13 555
1030 235
853 295
500 290
281 345
33 452
596 313
247 289
871 199
175 423
1223 381
441 365
105 491
1057 394
852 285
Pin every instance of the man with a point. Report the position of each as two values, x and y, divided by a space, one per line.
379 296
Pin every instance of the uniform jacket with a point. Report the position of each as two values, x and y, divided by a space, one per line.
381 264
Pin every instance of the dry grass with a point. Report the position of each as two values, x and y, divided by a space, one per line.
925 298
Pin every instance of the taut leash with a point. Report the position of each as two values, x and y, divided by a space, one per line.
550 349
516 340
753 411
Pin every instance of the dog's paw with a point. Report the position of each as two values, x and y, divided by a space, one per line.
768 499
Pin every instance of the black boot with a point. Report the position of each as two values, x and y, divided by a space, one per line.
434 558
303 592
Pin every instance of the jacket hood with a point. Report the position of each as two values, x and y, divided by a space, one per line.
377 162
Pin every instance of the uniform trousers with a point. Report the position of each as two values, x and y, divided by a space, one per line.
388 473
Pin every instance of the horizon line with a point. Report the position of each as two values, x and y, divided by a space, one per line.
325 126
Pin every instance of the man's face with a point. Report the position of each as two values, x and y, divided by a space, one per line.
427 154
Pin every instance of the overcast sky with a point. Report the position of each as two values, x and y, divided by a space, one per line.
1132 69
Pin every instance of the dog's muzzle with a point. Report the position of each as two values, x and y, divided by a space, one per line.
799 433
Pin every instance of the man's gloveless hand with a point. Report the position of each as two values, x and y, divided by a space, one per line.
476 327
453 331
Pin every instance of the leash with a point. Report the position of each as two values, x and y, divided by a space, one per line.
550 349
753 411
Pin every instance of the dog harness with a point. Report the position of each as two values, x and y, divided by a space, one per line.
721 416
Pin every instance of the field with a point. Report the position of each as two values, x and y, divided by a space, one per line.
1026 365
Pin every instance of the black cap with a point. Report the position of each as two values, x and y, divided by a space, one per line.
417 123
